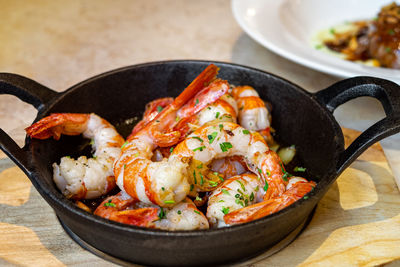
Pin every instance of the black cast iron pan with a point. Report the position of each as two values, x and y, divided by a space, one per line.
299 117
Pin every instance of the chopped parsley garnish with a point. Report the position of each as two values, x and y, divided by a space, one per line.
237 195
171 149
124 166
169 202
198 138
191 187
201 179
285 174
92 142
332 31
217 115
299 169
225 210
268 173
266 186
161 214
225 146
196 211
179 212
252 196
221 127
159 108
200 166
109 204
257 188
211 137
198 198
212 183
197 101
226 192
319 46
124 144
163 188
199 148
194 176
388 49
246 131
68 157
222 179
177 118
305 197
241 185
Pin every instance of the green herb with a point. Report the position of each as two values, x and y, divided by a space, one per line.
332 31
252 196
225 210
299 169
169 202
246 131
159 108
212 183
199 148
196 211
239 202
162 188
217 115
161 214
200 166
221 200
157 121
211 137
391 32
220 127
209 108
137 154
222 179
388 49
257 188
197 101
179 212
92 142
109 204
68 157
124 144
171 149
191 187
268 173
94 157
225 146
124 166
198 138
198 198
305 197
201 179
241 185
225 192
319 46
237 195
266 186
177 118
194 177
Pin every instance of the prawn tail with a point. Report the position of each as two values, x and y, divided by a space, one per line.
57 124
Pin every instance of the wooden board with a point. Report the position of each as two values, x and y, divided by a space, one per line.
357 223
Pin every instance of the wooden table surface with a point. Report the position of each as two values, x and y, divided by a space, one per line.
59 44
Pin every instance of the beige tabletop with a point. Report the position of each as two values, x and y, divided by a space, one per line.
60 43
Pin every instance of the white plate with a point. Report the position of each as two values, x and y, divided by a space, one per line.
287 26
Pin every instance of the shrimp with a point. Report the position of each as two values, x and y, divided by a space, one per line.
229 166
296 189
238 192
224 139
164 183
253 114
82 178
151 111
124 209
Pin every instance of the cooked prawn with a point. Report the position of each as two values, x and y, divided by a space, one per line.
124 209
253 114
164 183
296 189
238 192
224 139
83 177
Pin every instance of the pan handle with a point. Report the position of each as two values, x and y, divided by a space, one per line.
387 92
30 92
